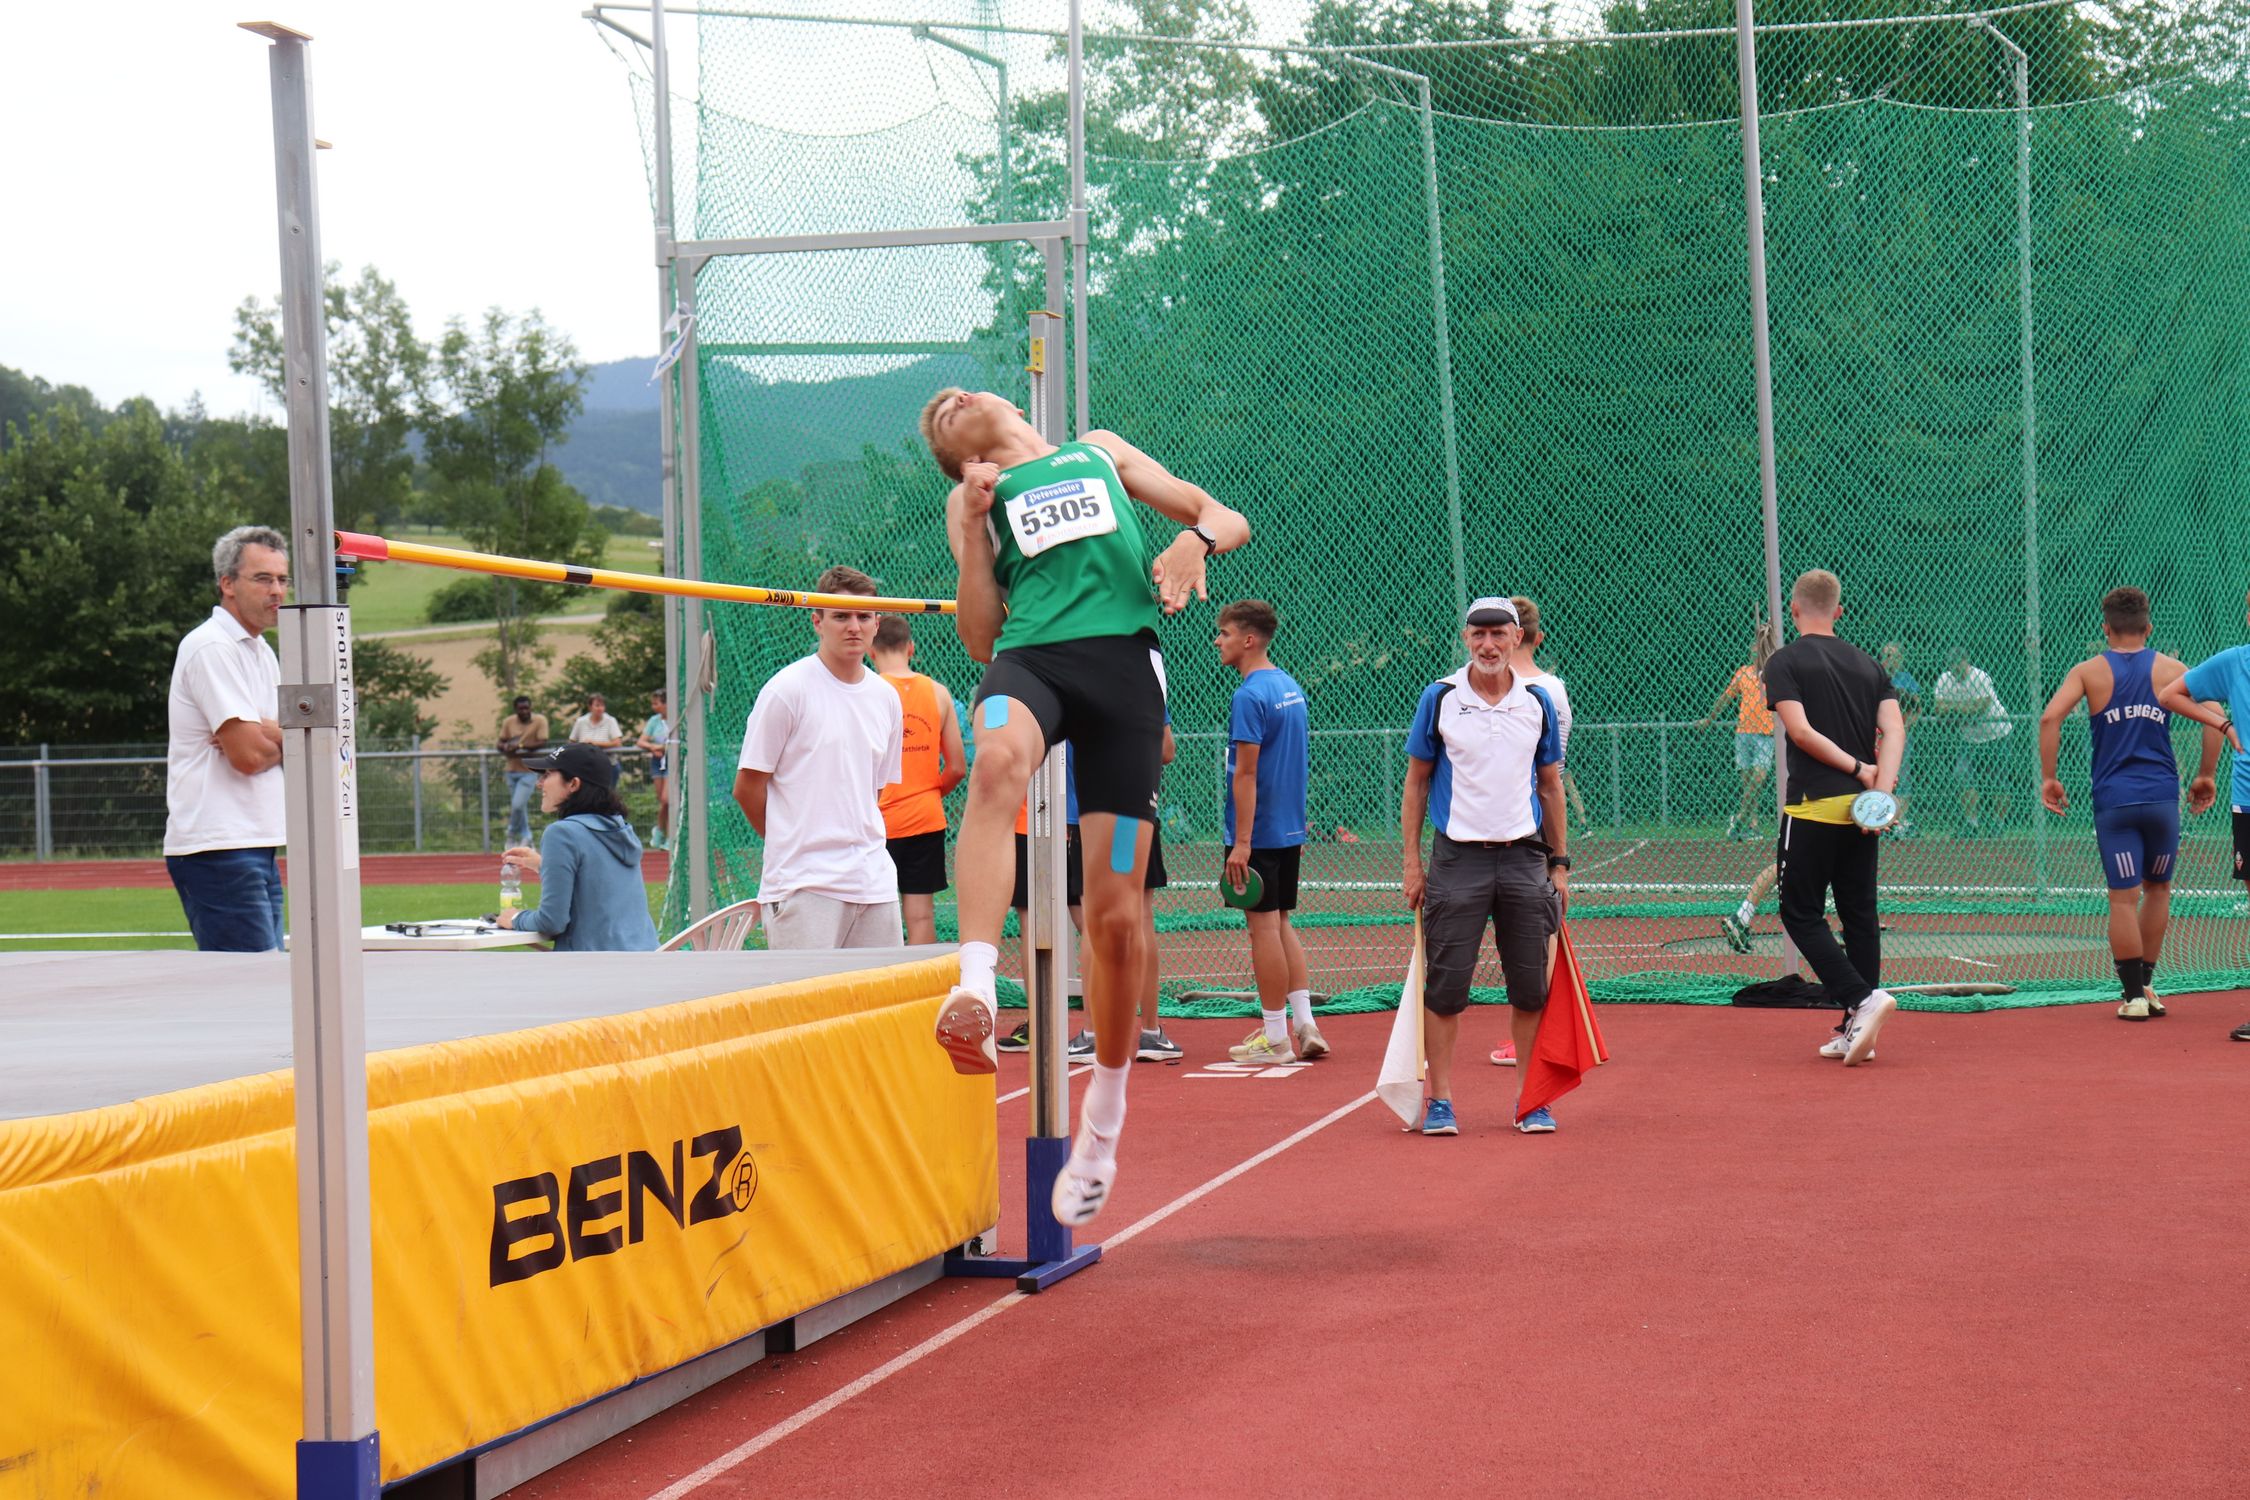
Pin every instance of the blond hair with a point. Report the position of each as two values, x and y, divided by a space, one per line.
948 465
1818 590
1527 615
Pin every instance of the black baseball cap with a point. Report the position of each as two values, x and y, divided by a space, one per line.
579 762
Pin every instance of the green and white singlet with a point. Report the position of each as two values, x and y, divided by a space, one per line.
1067 551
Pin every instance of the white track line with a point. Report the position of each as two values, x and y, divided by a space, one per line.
1603 864
737 1457
1019 1093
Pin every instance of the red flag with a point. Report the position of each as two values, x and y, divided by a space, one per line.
1569 1044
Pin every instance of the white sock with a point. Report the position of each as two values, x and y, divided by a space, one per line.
1277 1024
1300 1007
977 960
1104 1113
1746 913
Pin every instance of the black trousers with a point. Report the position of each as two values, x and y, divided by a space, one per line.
1817 858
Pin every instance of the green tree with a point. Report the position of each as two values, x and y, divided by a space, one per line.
499 401
108 565
376 369
627 663
23 397
393 685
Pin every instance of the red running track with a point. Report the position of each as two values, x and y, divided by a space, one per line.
2006 1259
374 869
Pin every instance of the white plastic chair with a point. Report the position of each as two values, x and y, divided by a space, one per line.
724 931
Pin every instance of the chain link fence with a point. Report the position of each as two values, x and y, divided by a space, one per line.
1447 310
107 801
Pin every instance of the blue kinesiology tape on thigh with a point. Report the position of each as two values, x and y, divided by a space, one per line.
995 712
1124 845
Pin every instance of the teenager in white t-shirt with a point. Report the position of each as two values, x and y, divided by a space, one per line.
825 737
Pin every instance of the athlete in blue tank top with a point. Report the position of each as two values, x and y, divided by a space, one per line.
2136 786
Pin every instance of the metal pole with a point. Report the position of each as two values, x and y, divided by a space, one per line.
695 774
338 1456
999 66
1080 344
667 438
2034 676
1045 960
42 809
1443 339
484 799
416 744
1761 366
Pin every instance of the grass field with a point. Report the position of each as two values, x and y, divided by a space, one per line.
394 596
30 913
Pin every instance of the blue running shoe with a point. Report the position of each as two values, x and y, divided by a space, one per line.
1539 1122
1437 1119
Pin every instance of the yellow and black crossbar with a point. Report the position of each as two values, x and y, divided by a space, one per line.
379 549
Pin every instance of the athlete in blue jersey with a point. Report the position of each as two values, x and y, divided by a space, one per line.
1262 814
2206 694
2136 786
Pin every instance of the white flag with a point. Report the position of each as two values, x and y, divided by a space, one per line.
1401 1083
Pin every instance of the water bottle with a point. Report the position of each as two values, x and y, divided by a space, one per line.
511 886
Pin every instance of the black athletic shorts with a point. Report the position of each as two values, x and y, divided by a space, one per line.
1105 695
1472 884
2241 844
1076 879
1277 877
920 858
1155 879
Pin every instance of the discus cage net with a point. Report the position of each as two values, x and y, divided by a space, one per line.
1451 300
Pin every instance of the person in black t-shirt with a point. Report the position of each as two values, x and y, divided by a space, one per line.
1845 737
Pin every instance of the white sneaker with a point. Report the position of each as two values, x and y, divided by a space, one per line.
1082 1186
1308 1042
1257 1049
1841 1043
965 1027
1866 1022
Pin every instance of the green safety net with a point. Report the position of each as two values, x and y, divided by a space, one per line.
1450 310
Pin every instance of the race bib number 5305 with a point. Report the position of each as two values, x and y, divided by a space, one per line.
1066 512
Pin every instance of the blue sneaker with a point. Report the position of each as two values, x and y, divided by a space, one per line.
1539 1122
1437 1118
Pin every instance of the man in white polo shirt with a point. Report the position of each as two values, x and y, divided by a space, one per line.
225 810
825 737
1484 761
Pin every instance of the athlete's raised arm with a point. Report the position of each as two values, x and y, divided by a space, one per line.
978 610
1179 568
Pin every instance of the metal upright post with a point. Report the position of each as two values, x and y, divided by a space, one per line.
42 808
695 761
1080 343
1048 1253
676 686
2020 65
338 1454
1761 366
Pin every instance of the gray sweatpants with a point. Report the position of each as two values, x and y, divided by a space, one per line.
1470 883
805 921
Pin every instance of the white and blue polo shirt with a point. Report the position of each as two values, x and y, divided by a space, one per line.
1486 756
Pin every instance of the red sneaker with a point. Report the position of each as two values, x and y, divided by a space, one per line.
1504 1055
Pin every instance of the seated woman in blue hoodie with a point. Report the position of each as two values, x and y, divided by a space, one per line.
588 864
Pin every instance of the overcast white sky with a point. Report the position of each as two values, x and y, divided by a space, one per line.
485 153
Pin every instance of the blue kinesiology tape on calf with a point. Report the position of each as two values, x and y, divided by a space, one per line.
1124 845
995 713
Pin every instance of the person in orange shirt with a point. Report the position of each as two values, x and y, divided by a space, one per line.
933 764
1753 733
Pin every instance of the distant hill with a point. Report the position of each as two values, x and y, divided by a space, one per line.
612 455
